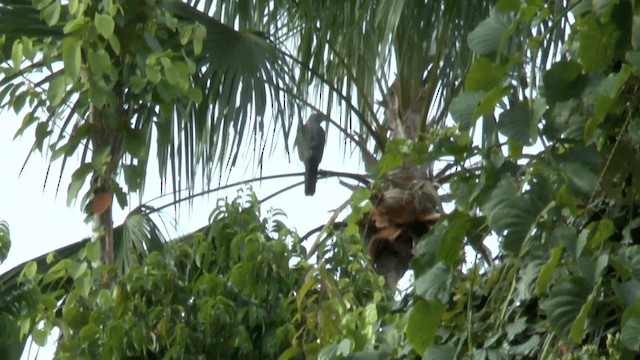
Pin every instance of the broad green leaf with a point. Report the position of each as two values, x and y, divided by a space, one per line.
56 90
73 6
434 284
597 42
77 24
576 333
105 25
424 321
508 5
565 303
57 271
563 81
463 108
71 56
40 336
512 214
580 177
345 347
104 299
488 36
516 328
600 232
185 34
603 8
76 269
16 54
100 158
84 285
134 176
328 352
19 100
78 179
546 272
440 352
51 13
450 249
42 133
290 353
630 334
114 43
635 32
199 34
99 62
88 333
518 124
29 271
487 105
608 93
136 143
484 75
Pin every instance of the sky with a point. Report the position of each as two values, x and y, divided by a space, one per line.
40 221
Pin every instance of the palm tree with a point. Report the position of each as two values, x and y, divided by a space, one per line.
198 77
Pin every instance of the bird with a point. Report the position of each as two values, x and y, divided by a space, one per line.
310 142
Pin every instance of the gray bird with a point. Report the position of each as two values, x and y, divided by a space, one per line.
310 143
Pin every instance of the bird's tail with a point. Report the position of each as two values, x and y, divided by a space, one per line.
310 180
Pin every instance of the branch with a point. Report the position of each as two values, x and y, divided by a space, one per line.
363 179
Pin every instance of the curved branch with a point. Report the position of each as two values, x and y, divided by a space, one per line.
363 179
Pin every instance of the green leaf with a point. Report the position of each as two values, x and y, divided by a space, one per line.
580 177
563 81
450 249
76 269
434 284
93 251
424 321
512 214
345 347
40 336
56 90
16 54
463 108
99 62
547 270
104 299
290 353
78 179
565 303
105 25
71 56
77 24
568 237
51 13
518 124
29 271
487 37
100 158
440 352
134 176
600 231
199 34
508 5
576 333
630 334
484 75
597 42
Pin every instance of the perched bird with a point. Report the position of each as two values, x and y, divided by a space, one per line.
310 143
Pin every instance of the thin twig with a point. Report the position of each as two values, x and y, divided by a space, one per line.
330 223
